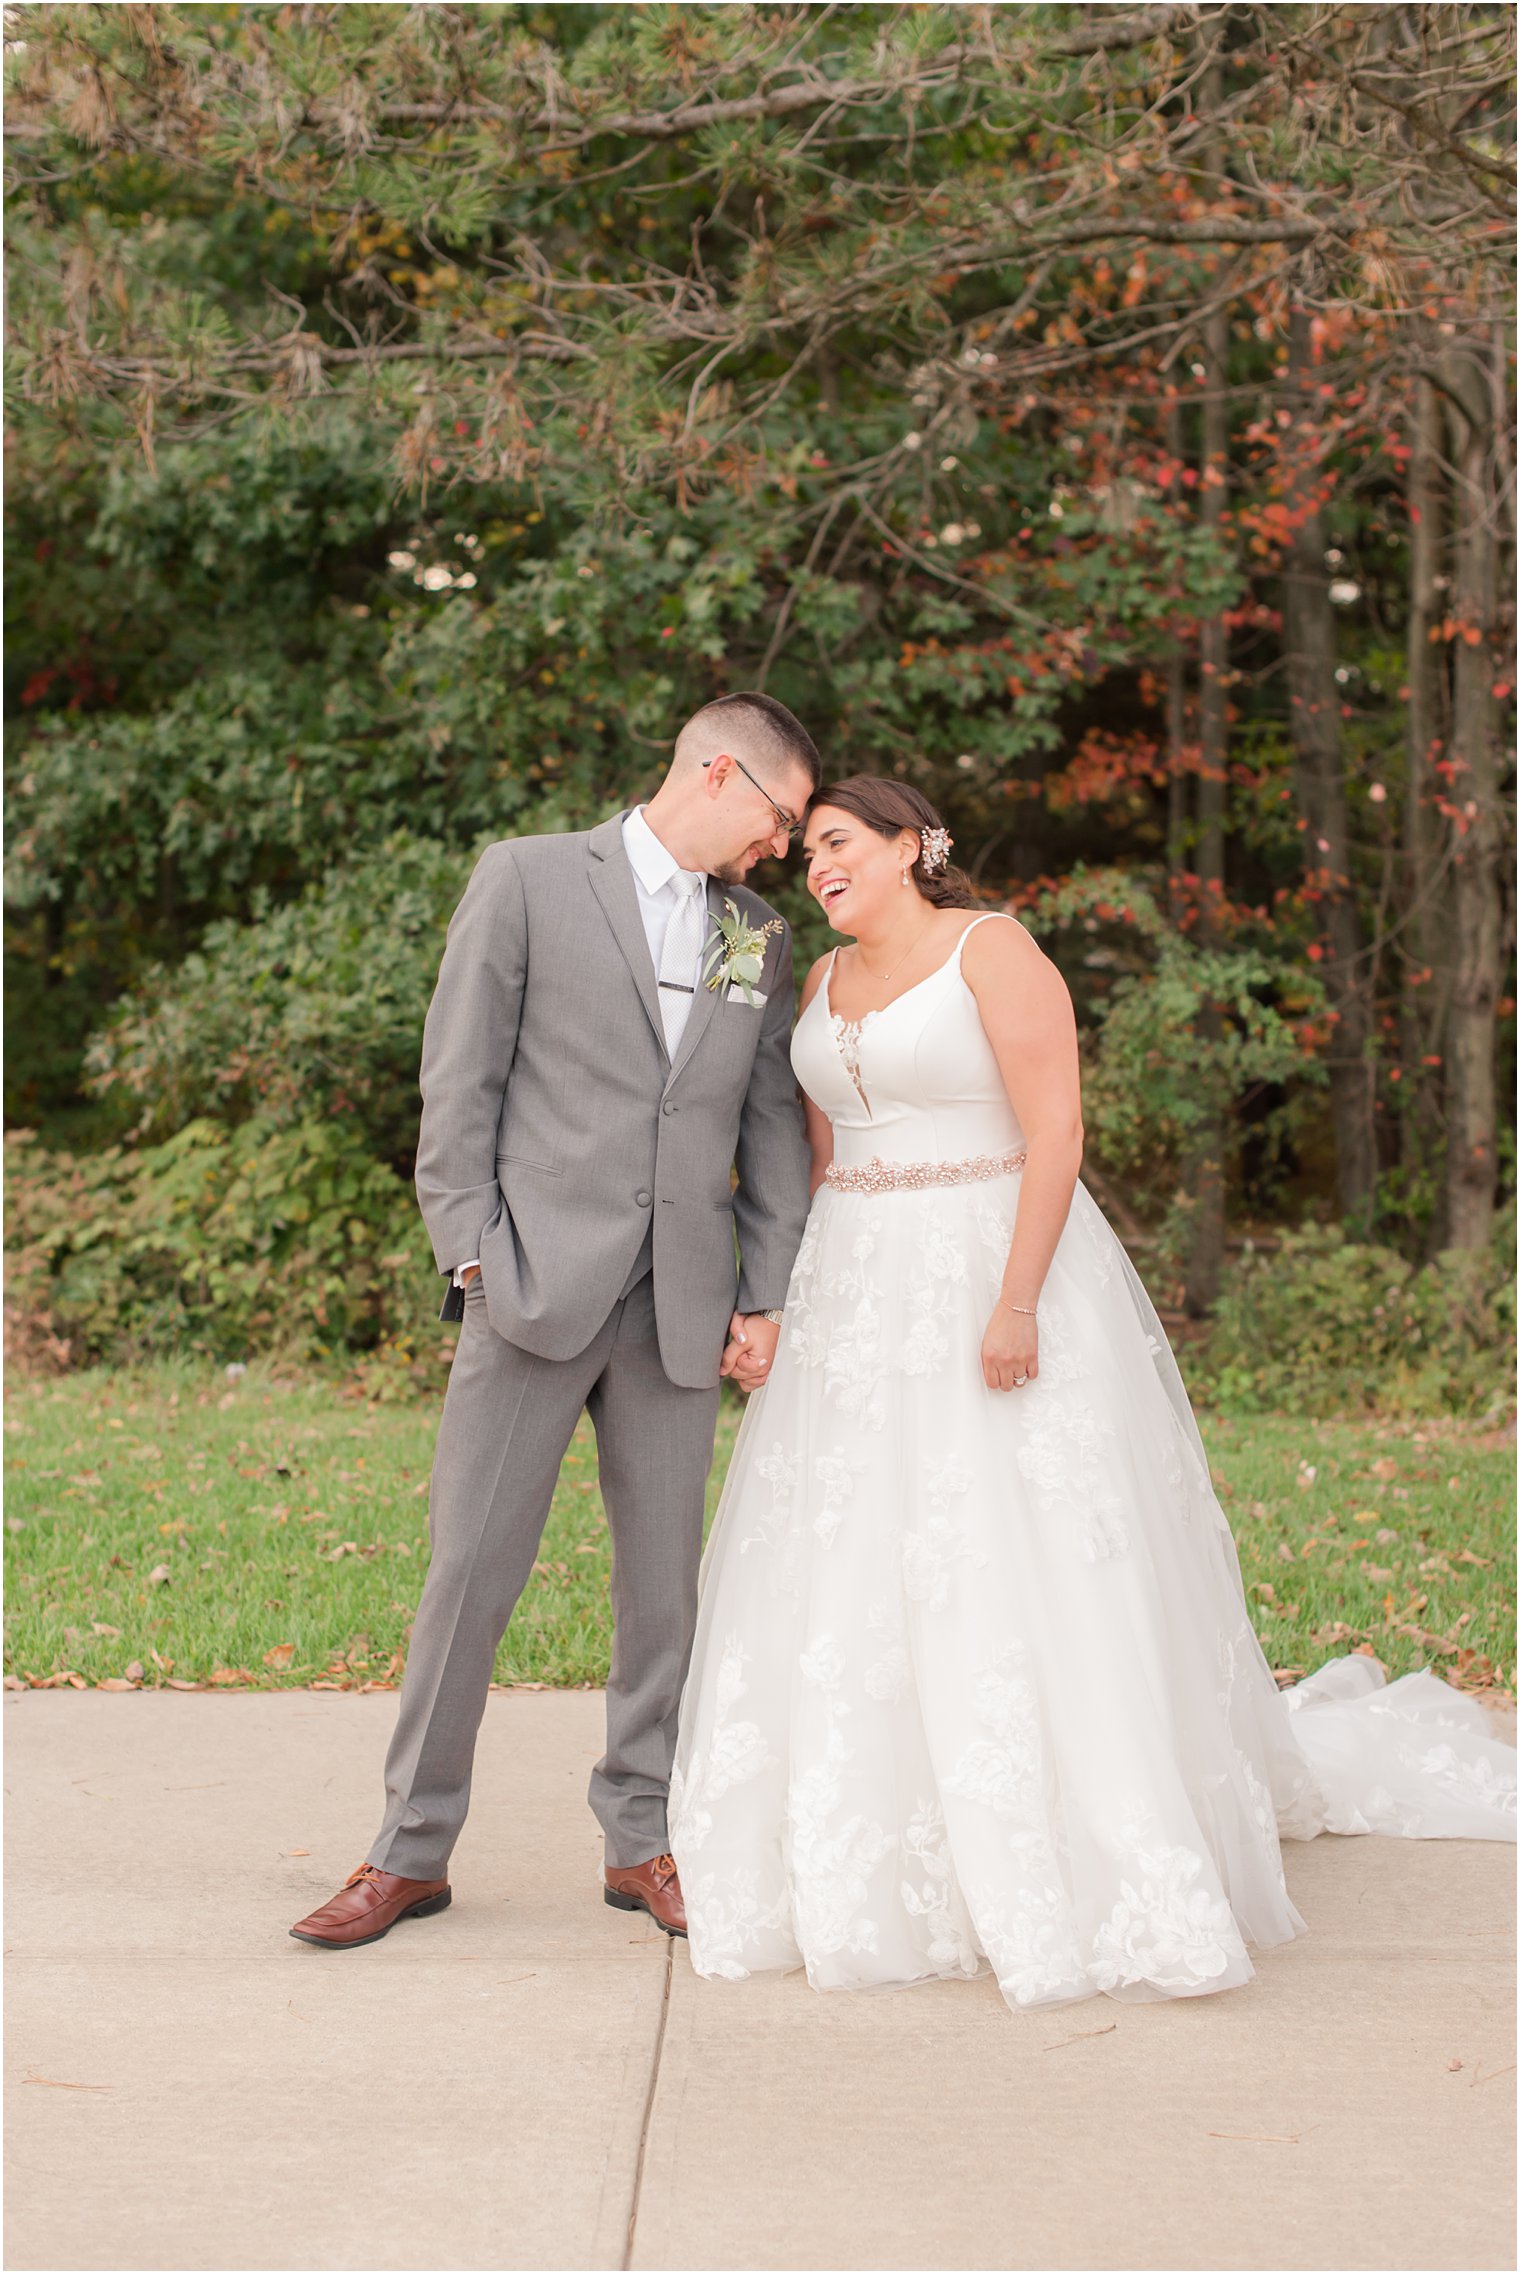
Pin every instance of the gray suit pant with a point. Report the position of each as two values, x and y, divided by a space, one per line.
507 1420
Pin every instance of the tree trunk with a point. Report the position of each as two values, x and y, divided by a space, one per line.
1314 713
1476 821
1176 721
1422 1006
1205 1170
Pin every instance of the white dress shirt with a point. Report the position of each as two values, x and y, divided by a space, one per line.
655 873
657 877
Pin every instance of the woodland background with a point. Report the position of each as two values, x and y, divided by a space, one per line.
1103 418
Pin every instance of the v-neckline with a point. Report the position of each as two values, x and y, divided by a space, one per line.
881 1008
838 1023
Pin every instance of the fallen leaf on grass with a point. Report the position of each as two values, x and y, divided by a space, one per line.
1337 1631
1474 1671
281 1655
1439 1643
134 1670
158 1575
16 1682
230 1677
115 1682
173 1685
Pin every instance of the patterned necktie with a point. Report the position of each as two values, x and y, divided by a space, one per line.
680 957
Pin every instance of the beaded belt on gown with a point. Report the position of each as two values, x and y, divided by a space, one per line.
917 1176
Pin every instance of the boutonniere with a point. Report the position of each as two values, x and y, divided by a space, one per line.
737 956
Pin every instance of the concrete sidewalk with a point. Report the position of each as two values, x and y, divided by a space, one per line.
533 2080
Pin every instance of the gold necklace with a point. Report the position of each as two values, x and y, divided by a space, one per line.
921 934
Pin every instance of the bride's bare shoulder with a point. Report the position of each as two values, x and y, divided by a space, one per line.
1001 945
1007 969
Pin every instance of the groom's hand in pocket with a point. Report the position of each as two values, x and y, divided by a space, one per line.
750 1349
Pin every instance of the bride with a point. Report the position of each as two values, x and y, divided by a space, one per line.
974 1681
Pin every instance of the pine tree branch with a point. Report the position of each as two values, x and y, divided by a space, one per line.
1111 33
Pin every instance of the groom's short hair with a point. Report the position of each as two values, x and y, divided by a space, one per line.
771 737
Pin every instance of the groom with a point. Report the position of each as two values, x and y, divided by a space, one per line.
587 1099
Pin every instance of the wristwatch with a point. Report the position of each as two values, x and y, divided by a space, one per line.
775 1317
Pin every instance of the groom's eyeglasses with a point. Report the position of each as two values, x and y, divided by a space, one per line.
783 818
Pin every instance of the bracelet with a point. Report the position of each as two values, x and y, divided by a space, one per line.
775 1317
1025 1310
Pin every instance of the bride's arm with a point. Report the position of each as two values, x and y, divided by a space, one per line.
1027 1014
820 1130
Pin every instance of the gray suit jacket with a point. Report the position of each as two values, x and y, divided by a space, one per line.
556 1133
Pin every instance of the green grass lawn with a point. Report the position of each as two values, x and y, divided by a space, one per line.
167 1527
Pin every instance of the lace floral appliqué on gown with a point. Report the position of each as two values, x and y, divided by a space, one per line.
974 1682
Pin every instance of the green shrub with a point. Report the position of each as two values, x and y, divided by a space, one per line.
1178 1033
313 1008
1321 1324
218 1241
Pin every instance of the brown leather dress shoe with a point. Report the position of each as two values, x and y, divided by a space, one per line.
368 1905
651 1887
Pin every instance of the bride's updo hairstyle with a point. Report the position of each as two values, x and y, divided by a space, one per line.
889 808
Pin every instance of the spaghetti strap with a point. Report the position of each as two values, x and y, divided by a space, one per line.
993 916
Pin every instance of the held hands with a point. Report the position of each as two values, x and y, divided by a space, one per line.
1010 1349
750 1348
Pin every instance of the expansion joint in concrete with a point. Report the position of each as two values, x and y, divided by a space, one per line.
648 2116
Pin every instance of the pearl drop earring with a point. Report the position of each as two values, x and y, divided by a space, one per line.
905 876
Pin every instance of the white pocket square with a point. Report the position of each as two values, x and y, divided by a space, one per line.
754 1001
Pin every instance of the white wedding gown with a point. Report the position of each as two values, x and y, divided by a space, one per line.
974 1681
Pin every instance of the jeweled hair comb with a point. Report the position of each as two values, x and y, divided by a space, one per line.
936 845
